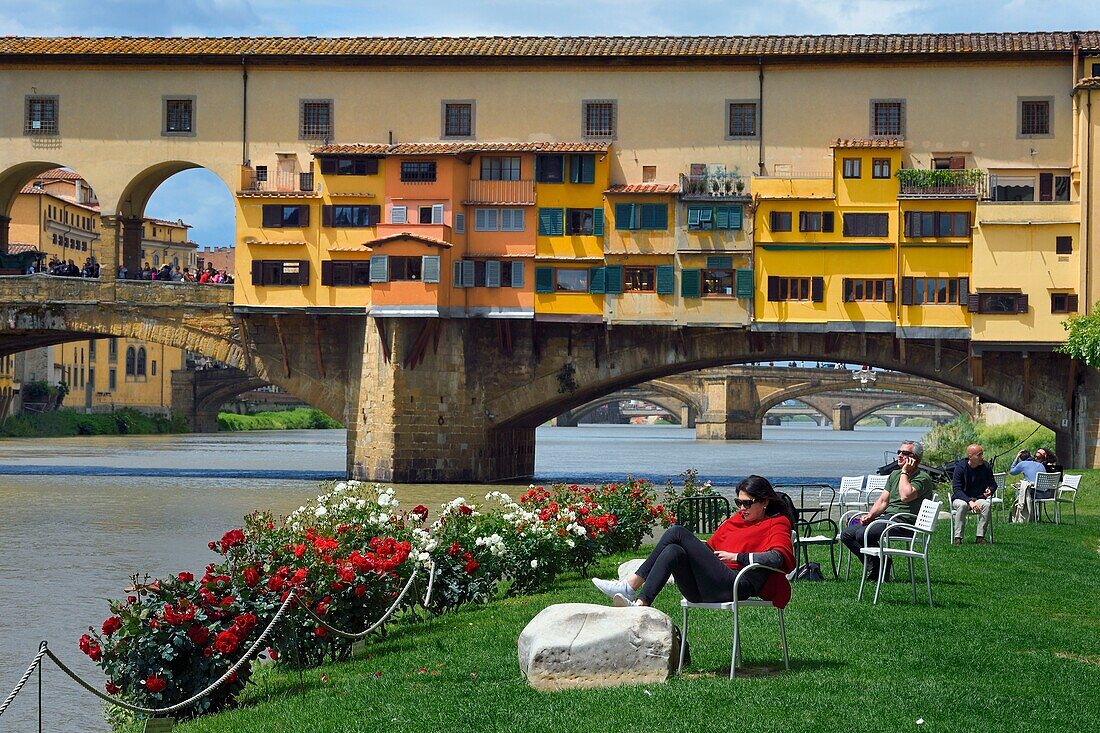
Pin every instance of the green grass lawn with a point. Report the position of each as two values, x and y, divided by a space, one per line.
1012 644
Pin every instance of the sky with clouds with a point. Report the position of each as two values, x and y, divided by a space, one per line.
202 200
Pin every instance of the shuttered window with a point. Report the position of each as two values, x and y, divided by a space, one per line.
582 168
550 168
486 220
937 224
544 279
399 215
866 225
351 216
596 280
280 272
782 289
744 284
1063 303
666 280
551 222
276 216
997 303
691 283
430 268
348 166
935 290
653 217
379 268
858 290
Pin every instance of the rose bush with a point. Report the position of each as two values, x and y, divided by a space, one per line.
347 554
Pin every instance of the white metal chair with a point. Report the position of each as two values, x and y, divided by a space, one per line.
1067 494
734 607
851 494
997 502
915 541
874 486
1045 491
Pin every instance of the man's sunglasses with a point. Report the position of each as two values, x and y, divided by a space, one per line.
745 503
909 453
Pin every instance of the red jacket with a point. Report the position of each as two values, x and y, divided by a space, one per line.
771 533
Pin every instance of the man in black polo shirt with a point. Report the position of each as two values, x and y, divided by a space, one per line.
972 485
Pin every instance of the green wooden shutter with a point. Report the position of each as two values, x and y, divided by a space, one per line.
544 279
717 262
557 223
596 280
429 268
736 217
379 268
575 175
691 283
693 217
654 216
546 219
597 222
613 279
744 284
666 280
624 216
722 217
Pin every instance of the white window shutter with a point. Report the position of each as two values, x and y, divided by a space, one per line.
437 213
379 268
456 276
517 273
429 268
460 223
467 273
492 274
398 215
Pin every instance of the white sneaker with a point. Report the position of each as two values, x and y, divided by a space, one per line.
612 587
621 601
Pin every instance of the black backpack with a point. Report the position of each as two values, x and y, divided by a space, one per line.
808 571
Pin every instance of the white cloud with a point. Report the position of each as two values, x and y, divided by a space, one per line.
201 199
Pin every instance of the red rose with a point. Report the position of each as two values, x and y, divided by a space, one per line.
212 545
198 634
320 631
232 538
112 688
299 550
360 591
111 625
421 511
231 678
472 566
226 642
299 576
251 576
465 510
207 651
454 549
244 624
275 583
186 577
273 653
155 684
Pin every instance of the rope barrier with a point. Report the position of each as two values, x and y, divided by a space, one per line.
26 676
45 651
194 698
385 616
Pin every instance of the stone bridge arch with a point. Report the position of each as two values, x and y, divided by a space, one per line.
314 357
870 411
577 414
198 395
946 399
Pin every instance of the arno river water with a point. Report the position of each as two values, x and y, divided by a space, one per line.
78 516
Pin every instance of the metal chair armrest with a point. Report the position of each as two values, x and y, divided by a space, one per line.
824 520
752 566
887 536
1065 491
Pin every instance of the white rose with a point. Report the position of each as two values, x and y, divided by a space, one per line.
534 563
320 511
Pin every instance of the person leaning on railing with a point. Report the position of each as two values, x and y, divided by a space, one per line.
905 489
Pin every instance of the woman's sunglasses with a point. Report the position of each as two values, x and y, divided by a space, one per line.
745 503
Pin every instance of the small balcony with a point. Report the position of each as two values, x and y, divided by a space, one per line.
281 182
515 193
713 187
962 183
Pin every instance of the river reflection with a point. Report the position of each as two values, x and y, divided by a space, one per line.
78 516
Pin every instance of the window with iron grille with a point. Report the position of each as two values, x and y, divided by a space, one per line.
599 119
40 115
1034 117
315 119
458 119
494 168
888 117
179 116
741 119
261 173
418 171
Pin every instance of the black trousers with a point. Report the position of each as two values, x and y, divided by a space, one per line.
700 576
852 538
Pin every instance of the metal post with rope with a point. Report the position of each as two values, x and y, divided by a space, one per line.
161 716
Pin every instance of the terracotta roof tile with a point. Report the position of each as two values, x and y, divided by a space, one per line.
408 235
20 247
167 223
277 243
458 148
36 191
363 248
60 174
1089 82
495 47
257 194
868 142
644 188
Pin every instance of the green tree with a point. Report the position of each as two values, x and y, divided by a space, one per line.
1083 341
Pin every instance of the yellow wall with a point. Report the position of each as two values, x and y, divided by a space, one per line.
639 241
635 307
712 310
75 362
1013 256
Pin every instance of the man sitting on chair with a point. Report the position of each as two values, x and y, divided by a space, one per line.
1030 469
905 489
972 485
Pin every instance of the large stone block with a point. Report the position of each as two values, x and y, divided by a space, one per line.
581 645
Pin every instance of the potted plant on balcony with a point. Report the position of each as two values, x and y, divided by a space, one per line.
740 186
715 186
727 185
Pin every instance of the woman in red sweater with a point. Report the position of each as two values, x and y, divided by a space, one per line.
760 532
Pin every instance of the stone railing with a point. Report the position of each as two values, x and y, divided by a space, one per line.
48 289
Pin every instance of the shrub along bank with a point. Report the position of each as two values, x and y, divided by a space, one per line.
301 418
947 442
63 423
